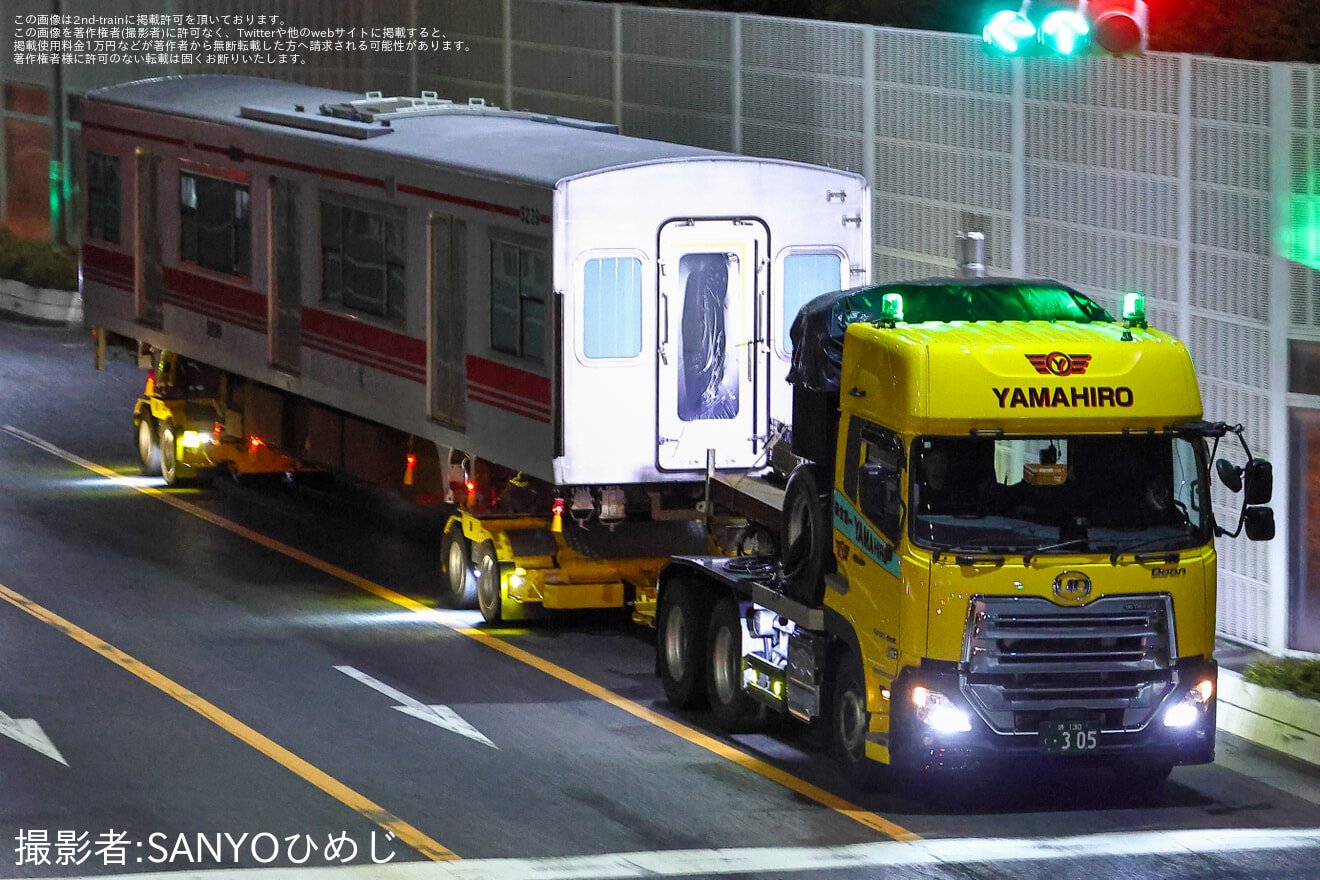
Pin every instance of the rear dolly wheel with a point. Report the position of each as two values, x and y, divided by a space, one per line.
169 454
487 565
459 585
148 450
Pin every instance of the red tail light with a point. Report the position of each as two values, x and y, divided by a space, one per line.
215 432
558 507
151 383
254 442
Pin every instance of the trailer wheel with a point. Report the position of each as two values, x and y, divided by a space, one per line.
487 565
460 584
805 536
850 722
681 645
169 454
148 450
734 710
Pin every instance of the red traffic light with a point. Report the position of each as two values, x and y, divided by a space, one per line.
1117 26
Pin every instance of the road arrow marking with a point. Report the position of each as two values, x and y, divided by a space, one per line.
440 716
30 734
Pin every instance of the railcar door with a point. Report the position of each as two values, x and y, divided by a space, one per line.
285 318
148 278
711 290
447 333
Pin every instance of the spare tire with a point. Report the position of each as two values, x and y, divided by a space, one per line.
806 536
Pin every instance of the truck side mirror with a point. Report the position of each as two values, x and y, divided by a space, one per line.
1260 523
1258 479
1229 474
878 495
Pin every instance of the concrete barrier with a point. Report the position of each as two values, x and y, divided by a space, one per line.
1278 720
40 305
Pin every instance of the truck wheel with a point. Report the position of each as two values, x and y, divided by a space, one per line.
1141 783
148 450
806 537
487 565
734 710
850 722
681 645
459 584
169 454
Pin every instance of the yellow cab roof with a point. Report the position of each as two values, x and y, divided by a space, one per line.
1019 377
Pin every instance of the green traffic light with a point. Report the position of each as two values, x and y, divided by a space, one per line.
1064 32
1009 31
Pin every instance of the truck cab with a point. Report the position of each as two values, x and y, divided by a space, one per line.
999 548
188 428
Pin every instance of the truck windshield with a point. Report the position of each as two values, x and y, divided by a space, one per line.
1088 494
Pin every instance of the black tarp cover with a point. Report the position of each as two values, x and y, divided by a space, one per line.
818 330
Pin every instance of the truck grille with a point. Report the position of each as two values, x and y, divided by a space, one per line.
1025 658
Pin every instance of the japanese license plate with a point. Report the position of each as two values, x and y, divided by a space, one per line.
1069 737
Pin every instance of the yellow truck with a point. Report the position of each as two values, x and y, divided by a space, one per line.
187 426
998 545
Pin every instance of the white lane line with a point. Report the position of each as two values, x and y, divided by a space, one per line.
780 860
440 716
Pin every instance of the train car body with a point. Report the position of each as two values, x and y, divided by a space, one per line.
584 307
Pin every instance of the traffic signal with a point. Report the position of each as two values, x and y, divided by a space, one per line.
1010 32
1064 32
1062 28
1118 27
1048 28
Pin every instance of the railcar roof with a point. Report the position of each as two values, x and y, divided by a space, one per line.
511 148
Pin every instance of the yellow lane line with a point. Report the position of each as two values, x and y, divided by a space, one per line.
268 747
692 735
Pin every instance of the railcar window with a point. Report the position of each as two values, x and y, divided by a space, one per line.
519 289
612 308
806 276
103 197
215 224
362 260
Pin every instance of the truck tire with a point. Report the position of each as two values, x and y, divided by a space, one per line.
169 454
734 710
850 722
1140 783
487 565
148 448
680 644
805 535
459 583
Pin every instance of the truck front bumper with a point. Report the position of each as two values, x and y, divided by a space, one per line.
1181 730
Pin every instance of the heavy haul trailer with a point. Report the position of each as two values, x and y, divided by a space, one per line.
538 319
999 548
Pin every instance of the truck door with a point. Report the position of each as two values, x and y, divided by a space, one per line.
148 280
285 318
709 384
870 528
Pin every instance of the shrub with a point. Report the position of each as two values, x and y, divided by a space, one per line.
37 263
1302 677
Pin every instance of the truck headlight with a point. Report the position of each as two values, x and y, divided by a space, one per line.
937 711
194 439
1187 711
